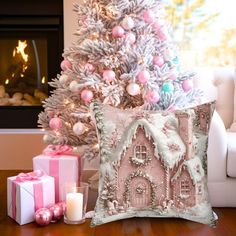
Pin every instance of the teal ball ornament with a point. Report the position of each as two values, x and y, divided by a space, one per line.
168 87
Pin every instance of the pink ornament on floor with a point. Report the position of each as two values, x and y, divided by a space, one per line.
66 64
130 38
187 85
109 75
152 97
86 95
63 206
128 23
148 16
55 123
118 32
158 61
43 216
133 89
143 76
57 212
90 67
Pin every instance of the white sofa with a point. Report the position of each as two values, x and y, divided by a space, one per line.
219 84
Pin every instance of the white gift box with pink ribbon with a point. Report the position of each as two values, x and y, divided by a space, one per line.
28 192
60 162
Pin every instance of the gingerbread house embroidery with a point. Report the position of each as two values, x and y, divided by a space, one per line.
156 168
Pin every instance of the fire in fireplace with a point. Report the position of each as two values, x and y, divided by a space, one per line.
31 45
23 74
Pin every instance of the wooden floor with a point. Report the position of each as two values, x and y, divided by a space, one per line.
130 227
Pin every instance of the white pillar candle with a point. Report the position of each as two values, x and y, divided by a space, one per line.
74 206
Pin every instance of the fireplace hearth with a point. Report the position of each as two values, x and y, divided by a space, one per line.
31 44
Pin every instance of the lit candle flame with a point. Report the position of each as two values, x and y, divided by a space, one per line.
7 81
43 80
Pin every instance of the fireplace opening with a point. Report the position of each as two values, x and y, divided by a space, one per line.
31 47
23 73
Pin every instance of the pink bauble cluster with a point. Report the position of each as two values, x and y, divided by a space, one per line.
109 75
152 97
119 31
143 76
55 123
44 216
187 85
65 65
86 95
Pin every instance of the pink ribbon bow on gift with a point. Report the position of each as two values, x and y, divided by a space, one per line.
31 176
56 150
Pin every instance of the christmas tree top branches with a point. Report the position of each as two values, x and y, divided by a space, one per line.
123 56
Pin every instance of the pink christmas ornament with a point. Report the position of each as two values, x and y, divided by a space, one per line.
109 75
128 23
143 76
148 16
174 75
130 38
55 123
79 128
161 35
63 78
65 65
90 67
118 32
63 206
86 95
156 26
152 97
158 61
57 212
133 89
43 216
187 85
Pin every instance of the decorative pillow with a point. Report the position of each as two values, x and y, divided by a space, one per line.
153 164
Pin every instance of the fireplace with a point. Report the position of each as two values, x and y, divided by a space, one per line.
31 44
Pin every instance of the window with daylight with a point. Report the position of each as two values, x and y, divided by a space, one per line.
184 187
205 31
141 152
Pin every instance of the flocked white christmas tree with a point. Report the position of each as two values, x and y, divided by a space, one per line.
124 57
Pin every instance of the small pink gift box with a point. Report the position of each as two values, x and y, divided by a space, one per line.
26 193
60 162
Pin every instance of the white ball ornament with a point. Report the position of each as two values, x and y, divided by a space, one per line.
63 79
79 128
74 86
133 89
46 138
128 23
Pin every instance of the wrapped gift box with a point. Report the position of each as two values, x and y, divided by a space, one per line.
61 163
28 192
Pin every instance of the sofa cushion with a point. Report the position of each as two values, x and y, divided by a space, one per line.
233 126
231 159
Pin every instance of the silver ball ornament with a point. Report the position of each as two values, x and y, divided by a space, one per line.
79 128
